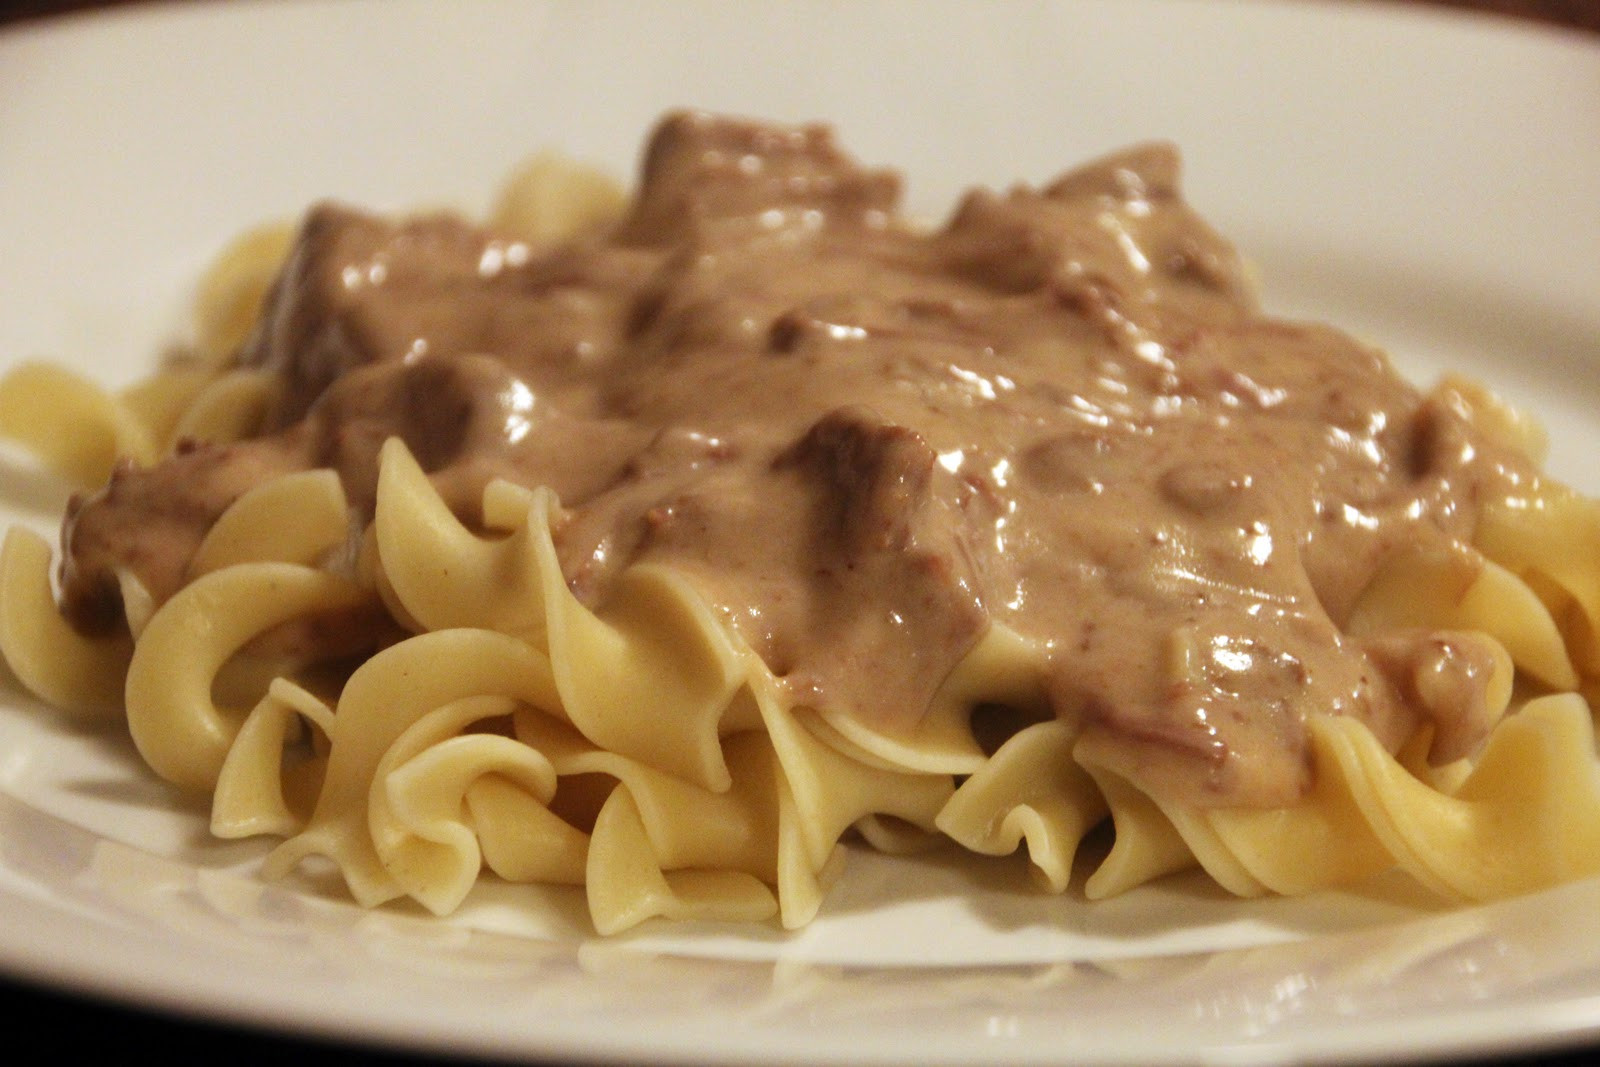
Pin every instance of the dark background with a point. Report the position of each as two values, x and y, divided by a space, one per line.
66 1029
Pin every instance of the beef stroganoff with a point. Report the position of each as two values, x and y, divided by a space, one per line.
661 544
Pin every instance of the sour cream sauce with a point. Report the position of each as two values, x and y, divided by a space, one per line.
867 441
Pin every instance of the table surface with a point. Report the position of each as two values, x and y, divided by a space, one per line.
82 1027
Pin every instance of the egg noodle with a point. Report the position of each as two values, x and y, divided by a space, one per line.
641 749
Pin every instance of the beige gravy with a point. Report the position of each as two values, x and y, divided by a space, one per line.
867 441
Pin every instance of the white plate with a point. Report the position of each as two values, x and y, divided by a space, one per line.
1427 181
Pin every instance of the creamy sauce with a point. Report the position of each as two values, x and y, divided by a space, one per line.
867 441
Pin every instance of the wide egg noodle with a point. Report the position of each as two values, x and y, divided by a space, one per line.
664 846
832 792
627 885
434 792
652 678
1145 845
688 825
1207 847
550 197
370 571
230 293
229 407
161 401
138 603
1369 809
261 553
1322 841
893 837
1491 414
802 882
1031 790
1462 590
385 697
76 673
521 838
76 428
256 792
416 810
476 743
295 518
81 430
1526 818
1552 539
176 724
1002 668
442 574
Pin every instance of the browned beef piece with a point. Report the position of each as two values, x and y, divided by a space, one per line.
701 168
150 522
358 290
